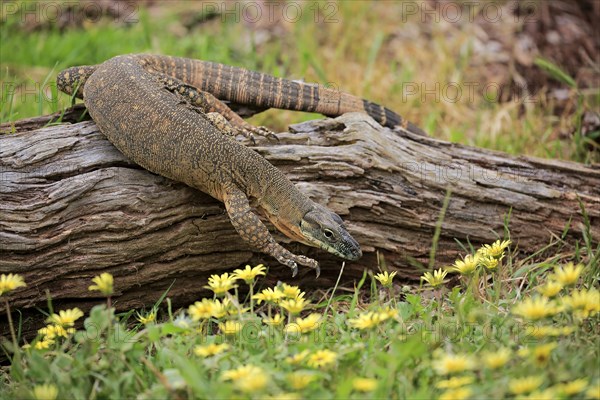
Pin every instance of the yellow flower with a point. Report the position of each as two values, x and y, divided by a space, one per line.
276 320
387 313
65 318
524 352
547 394
43 344
451 363
45 392
221 309
594 391
269 295
497 359
10 282
525 385
284 396
550 289
569 274
297 358
545 331
541 354
466 266
291 292
495 250
574 387
201 309
321 359
563 331
364 384
456 394
150 317
240 373
299 380
230 327
370 319
253 383
53 331
210 349
489 263
364 321
210 308
535 308
304 325
454 383
247 378
435 279
221 284
585 303
103 284
248 274
386 278
294 306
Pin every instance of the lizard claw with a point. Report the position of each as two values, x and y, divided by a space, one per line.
249 134
294 269
266 132
309 262
293 260
249 131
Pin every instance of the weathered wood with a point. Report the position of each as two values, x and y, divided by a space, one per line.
72 206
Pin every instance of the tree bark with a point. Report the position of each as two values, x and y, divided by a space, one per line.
72 207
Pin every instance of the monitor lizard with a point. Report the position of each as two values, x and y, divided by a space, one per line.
164 113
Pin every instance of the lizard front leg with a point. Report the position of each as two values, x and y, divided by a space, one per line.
255 233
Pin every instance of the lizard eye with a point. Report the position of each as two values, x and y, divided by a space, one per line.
328 233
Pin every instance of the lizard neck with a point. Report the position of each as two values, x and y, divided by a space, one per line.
285 206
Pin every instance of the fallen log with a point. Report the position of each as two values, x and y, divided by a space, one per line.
72 207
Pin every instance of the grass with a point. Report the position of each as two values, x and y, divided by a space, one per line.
499 332
415 71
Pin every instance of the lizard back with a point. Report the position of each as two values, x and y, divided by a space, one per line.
165 135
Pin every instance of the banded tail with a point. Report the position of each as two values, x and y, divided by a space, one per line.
242 86
255 89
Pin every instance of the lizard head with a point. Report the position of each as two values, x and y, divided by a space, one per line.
323 228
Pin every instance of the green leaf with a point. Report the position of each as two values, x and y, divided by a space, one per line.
555 72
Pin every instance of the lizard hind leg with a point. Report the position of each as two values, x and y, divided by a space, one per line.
207 104
255 233
220 123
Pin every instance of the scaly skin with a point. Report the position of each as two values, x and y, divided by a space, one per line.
162 125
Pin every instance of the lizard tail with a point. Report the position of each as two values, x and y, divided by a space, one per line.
242 86
387 117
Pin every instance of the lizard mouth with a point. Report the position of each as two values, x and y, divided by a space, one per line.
350 250
346 248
